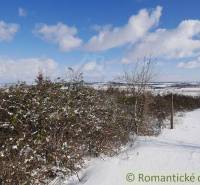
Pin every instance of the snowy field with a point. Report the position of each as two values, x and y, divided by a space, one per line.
174 151
189 89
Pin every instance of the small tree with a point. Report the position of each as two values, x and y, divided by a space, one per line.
137 82
75 76
39 78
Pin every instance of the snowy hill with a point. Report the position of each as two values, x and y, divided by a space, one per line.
172 152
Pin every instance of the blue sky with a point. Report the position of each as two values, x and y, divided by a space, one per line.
100 38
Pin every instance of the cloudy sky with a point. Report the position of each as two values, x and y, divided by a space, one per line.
99 38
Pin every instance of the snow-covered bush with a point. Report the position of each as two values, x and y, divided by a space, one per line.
47 129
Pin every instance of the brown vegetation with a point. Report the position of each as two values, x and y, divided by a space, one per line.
46 129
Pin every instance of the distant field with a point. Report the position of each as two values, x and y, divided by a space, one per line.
190 89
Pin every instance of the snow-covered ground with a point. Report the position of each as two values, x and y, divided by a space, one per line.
174 151
188 91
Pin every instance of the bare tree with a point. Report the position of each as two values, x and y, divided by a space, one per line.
137 81
39 78
74 76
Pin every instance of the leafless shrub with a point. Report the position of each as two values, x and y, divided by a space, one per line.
137 81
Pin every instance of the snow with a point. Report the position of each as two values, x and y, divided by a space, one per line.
174 151
182 91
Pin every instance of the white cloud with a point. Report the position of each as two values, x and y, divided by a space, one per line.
190 65
12 70
177 43
22 12
8 30
92 66
137 26
92 69
60 34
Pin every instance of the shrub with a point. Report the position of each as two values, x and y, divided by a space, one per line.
47 129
